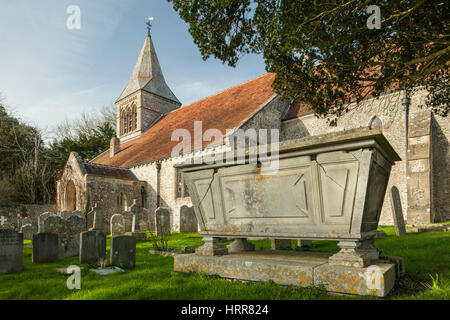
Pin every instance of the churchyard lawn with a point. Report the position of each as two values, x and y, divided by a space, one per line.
426 256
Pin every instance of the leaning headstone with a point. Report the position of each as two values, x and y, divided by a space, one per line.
123 251
11 251
27 231
117 225
162 223
45 248
397 212
188 220
92 246
42 218
279 244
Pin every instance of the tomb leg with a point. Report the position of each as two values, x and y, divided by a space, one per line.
211 247
240 245
357 253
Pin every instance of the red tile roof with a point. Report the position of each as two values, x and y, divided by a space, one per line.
225 110
296 110
108 171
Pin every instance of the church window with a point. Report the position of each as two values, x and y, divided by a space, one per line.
181 188
122 201
375 123
130 120
134 117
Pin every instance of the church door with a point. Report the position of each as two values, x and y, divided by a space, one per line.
70 197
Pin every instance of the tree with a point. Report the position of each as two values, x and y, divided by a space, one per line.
88 136
24 173
323 52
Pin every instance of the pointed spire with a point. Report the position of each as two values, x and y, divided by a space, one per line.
148 76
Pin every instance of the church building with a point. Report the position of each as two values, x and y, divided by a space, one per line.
139 166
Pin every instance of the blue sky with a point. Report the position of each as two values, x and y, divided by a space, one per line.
49 73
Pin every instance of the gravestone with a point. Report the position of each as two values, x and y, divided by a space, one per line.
41 219
27 220
117 225
90 219
5 223
279 244
162 221
45 247
28 231
92 246
188 220
64 214
11 251
67 214
397 212
68 232
123 251
128 217
136 227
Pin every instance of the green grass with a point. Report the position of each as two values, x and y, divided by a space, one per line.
426 256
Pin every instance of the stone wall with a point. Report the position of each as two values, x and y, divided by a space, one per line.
104 191
388 108
14 214
391 111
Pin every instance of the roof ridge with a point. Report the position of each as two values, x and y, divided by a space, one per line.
225 90
104 165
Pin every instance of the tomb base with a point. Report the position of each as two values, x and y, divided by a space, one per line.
294 268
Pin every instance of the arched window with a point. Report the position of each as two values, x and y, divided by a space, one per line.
70 197
122 201
122 129
130 119
134 117
376 123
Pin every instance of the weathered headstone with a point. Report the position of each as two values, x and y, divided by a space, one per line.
162 223
6 223
68 232
27 231
92 246
397 212
117 225
136 227
27 220
188 220
123 251
67 214
279 244
11 251
41 219
45 247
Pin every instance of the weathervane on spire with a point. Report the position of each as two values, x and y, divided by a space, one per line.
149 25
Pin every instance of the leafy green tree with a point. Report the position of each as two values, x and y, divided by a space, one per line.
324 53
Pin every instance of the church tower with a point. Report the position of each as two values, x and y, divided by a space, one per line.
146 97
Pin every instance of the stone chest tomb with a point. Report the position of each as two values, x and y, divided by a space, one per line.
328 187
